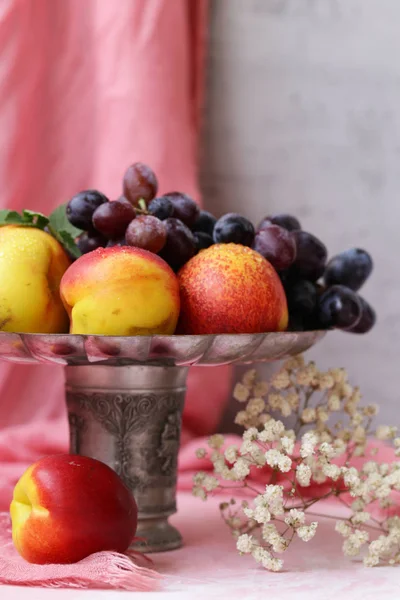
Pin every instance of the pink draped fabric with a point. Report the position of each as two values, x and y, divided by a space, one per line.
86 88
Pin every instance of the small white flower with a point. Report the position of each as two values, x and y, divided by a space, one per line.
260 554
272 498
258 457
327 450
249 512
339 375
201 453
281 380
210 483
303 474
199 477
199 492
358 505
255 406
383 491
384 432
295 518
360 517
241 468
249 377
308 443
241 393
343 528
307 532
261 514
296 362
287 444
245 543
231 454
350 476
353 544
216 441
271 535
334 402
331 471
306 376
275 401
293 399
272 564
275 458
370 467
273 430
347 392
371 560
247 447
326 381
285 464
309 415
285 408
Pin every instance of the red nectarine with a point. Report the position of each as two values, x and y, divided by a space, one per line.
229 288
66 507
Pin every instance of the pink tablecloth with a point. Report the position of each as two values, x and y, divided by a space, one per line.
209 567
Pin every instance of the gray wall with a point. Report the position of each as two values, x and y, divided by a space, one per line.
303 116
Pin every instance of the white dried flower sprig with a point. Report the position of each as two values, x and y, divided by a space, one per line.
330 427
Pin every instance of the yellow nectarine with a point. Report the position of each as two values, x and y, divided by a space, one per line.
121 291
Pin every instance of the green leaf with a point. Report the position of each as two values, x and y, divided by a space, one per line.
36 219
66 239
58 222
9 217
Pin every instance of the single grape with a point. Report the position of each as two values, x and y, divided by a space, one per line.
113 218
161 208
185 208
311 255
276 245
339 307
286 221
367 320
180 245
203 240
123 200
81 207
205 222
139 183
233 228
91 241
350 268
302 297
146 232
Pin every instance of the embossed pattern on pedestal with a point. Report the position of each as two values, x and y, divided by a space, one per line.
145 432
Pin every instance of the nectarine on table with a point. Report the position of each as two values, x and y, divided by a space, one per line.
229 288
121 291
66 507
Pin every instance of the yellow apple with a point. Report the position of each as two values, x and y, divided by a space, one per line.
32 263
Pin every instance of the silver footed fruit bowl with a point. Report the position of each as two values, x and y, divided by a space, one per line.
125 398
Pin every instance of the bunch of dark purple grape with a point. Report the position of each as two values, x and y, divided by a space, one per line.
171 225
320 294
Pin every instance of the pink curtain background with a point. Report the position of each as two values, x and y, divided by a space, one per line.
86 88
